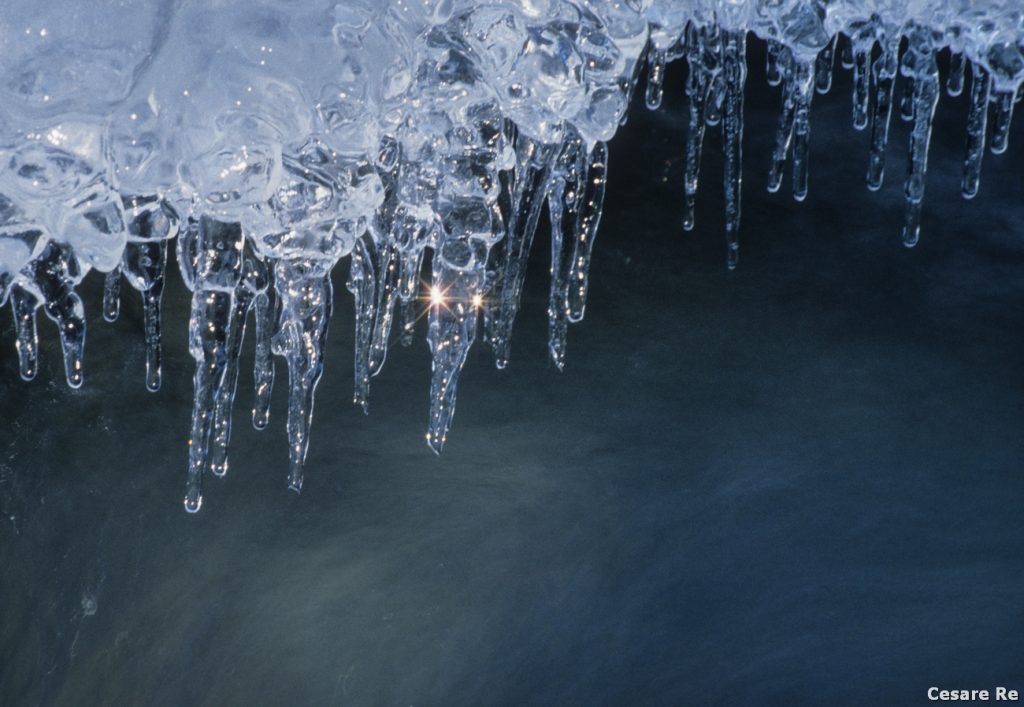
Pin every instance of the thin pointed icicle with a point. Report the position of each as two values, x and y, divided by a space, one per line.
955 79
265 314
926 97
564 199
112 295
388 273
220 432
784 131
532 170
218 270
803 81
883 72
823 66
23 306
451 333
734 72
1004 101
362 283
255 280
861 59
656 61
143 264
304 287
697 87
55 272
977 120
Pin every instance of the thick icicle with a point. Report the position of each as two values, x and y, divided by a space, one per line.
1004 101
565 196
926 97
823 66
454 310
586 230
112 295
883 72
907 100
23 306
532 170
977 120
698 84
304 288
218 271
955 79
153 222
656 61
734 71
54 274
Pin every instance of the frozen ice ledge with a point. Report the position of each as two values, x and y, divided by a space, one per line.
260 142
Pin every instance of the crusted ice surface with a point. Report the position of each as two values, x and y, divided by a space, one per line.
265 141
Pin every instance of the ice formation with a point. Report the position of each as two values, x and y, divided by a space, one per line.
260 142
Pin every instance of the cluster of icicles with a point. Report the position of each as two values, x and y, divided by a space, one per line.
498 111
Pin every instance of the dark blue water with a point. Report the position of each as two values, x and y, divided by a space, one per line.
801 482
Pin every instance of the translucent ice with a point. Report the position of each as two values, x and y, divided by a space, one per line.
265 141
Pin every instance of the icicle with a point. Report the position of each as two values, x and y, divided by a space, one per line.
220 431
586 230
23 306
977 119
776 64
112 295
734 71
54 274
532 171
388 273
265 313
823 66
784 131
304 288
454 308
656 60
697 87
255 281
218 271
861 57
144 262
955 80
564 199
362 283
883 71
926 96
803 81
1004 101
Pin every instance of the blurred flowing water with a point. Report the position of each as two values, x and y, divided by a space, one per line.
797 483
